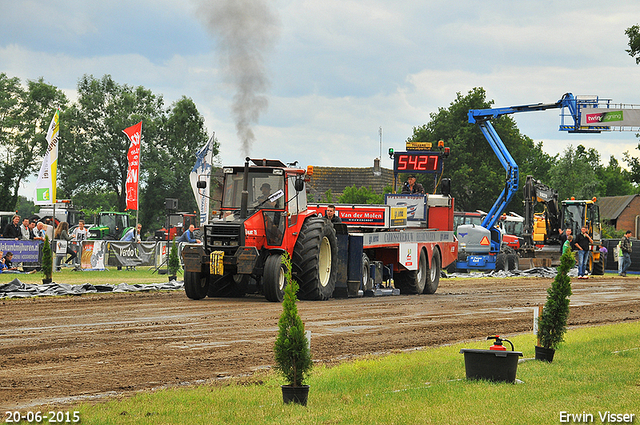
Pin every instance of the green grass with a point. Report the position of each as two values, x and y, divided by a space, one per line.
420 387
111 276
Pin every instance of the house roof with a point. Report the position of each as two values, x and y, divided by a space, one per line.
337 179
611 207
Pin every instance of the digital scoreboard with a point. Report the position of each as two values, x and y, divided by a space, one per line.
417 162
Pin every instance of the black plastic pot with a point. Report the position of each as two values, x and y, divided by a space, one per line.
298 395
544 354
174 277
492 365
46 281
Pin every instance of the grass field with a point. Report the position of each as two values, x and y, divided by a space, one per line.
594 372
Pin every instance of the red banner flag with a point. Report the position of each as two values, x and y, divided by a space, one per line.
134 133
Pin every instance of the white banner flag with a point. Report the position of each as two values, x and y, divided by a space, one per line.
45 192
202 171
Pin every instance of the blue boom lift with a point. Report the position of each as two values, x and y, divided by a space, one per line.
480 247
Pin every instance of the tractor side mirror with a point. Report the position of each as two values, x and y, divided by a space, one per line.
298 184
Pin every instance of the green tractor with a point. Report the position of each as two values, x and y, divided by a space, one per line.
111 226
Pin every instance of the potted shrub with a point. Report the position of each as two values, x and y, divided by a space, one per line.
173 263
47 261
552 323
292 354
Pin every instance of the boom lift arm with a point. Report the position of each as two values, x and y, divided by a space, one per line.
483 118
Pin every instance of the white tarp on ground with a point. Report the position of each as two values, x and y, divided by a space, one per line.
17 289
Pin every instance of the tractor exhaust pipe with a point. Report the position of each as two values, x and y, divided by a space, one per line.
244 200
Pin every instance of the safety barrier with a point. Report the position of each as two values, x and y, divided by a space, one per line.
91 255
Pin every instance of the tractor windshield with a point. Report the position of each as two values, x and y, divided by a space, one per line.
266 190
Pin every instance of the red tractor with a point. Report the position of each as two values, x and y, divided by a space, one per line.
263 215
178 224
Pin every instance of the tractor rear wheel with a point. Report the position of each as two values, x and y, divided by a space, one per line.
314 256
413 281
196 285
433 276
273 278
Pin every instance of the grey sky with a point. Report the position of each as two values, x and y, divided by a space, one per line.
338 70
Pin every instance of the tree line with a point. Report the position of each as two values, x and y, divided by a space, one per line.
92 153
477 177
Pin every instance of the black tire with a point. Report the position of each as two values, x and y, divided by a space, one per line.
273 278
366 284
413 281
313 260
501 261
229 286
513 262
196 285
433 274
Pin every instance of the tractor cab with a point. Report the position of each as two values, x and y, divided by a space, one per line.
111 226
578 213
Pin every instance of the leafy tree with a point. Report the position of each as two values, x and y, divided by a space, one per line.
363 195
552 324
616 181
574 175
24 119
477 177
634 165
26 207
169 161
93 151
633 32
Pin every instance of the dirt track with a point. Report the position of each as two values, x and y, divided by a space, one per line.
66 349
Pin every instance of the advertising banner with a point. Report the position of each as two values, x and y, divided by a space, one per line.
611 117
134 133
45 192
132 254
23 251
93 253
415 203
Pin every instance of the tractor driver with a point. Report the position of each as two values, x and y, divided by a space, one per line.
262 201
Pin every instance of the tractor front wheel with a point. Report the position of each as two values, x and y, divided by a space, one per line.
196 285
273 278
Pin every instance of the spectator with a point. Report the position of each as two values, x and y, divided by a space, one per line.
81 233
582 245
25 234
331 214
48 228
3 265
12 230
39 232
7 261
625 247
62 234
133 235
566 246
32 229
189 236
